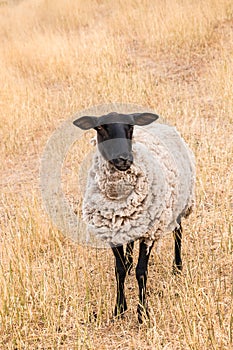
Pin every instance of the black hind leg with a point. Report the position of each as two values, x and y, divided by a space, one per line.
177 263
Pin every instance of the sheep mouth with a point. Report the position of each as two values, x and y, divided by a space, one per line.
121 167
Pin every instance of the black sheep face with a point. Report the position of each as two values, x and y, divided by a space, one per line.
115 144
114 135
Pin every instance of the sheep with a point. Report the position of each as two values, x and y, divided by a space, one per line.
140 185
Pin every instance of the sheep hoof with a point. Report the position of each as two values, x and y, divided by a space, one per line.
176 269
120 310
116 318
143 314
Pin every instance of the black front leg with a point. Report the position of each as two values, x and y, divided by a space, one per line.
141 274
177 264
120 272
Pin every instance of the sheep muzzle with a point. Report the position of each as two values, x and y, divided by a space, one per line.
118 152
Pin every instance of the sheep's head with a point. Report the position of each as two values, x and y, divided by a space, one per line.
114 135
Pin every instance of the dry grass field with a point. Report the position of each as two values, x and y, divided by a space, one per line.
60 57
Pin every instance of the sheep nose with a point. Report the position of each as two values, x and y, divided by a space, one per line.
126 157
123 162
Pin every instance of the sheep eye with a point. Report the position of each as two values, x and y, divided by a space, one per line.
130 131
101 131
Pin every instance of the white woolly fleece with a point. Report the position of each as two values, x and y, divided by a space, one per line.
147 199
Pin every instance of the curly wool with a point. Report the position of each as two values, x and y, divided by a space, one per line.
146 200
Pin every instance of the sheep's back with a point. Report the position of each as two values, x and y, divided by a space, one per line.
164 141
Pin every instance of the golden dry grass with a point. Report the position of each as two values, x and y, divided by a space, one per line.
58 57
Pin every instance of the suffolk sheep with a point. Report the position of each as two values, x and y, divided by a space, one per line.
139 186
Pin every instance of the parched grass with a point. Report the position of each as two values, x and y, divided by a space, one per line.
59 57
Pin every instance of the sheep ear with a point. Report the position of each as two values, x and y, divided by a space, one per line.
85 123
144 118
